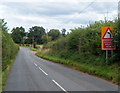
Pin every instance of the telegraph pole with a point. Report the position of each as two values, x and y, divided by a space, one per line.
119 10
119 31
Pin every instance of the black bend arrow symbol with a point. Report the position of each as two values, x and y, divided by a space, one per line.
110 34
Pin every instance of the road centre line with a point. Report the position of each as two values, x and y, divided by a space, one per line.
52 80
59 86
43 71
35 64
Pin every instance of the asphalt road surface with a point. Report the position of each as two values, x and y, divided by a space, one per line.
31 73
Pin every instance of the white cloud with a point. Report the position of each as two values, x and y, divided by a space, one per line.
55 13
71 1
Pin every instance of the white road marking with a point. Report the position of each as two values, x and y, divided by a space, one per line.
59 86
43 71
35 64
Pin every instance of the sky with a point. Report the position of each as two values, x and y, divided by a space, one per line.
56 14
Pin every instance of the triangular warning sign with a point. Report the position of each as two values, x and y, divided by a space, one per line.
108 34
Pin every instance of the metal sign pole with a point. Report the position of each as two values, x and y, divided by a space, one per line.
111 52
106 55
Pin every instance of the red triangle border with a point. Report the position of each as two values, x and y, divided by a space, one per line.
106 32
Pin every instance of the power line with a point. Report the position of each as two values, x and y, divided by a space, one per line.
79 12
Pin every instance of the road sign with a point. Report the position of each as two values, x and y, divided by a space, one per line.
107 36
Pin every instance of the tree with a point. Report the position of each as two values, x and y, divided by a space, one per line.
17 34
3 25
54 33
35 34
63 31
46 38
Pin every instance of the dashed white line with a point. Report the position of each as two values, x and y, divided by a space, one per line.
43 71
52 80
59 86
35 64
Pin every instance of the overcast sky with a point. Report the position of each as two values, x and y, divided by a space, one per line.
56 14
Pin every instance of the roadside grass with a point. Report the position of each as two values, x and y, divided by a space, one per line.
33 49
106 72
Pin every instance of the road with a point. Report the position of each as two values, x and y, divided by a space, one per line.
31 73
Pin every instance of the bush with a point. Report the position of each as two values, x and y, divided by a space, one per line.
9 49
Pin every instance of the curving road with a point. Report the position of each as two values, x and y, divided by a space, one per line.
31 73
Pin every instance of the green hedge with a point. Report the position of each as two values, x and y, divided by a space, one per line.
9 49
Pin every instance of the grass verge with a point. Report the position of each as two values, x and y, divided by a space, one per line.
33 49
104 72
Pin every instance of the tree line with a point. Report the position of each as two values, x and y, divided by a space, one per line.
35 35
81 40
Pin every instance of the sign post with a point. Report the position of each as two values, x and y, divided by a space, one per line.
107 37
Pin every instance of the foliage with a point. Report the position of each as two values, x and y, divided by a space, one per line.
117 41
35 34
58 44
63 32
54 33
3 25
18 34
9 49
46 38
85 41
